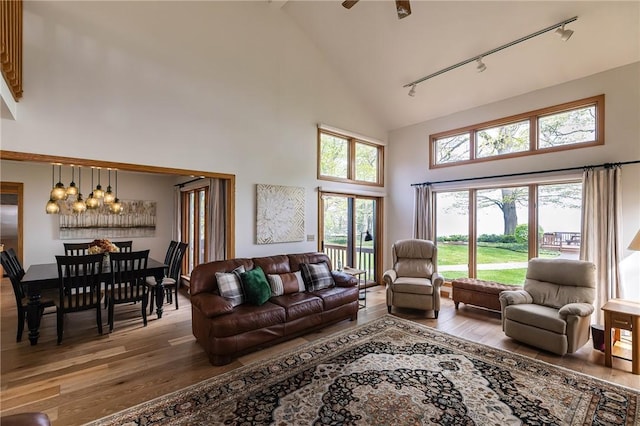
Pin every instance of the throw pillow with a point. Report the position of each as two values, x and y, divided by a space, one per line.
301 286
230 287
317 276
285 283
255 286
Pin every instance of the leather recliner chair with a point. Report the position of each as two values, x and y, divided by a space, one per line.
553 311
413 281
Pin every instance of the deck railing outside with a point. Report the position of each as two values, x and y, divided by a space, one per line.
364 258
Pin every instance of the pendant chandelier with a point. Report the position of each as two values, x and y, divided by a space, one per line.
109 196
52 206
72 195
116 206
92 202
59 192
72 189
79 205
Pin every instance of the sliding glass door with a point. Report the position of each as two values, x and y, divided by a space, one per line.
348 229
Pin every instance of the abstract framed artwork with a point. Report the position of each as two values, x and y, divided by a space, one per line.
280 214
138 219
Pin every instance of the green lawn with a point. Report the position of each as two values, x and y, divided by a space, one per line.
453 254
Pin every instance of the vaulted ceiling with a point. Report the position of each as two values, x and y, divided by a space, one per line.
377 53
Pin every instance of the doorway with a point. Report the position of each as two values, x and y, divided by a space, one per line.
11 202
349 230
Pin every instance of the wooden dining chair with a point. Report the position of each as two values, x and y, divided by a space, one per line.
124 246
171 281
79 287
15 272
76 249
13 258
127 283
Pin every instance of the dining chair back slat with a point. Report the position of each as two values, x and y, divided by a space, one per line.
76 249
127 283
79 287
124 246
175 265
14 263
169 255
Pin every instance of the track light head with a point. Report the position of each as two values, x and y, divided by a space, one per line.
564 34
412 91
480 66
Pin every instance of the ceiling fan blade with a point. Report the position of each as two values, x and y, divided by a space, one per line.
349 3
403 7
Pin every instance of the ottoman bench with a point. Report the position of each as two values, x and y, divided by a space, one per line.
478 292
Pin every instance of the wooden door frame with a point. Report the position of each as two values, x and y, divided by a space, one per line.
379 220
18 189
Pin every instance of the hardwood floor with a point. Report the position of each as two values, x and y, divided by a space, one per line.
90 376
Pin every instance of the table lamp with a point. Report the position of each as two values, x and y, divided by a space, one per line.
635 243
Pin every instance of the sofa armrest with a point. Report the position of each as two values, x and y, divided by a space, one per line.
577 309
211 305
390 276
514 297
343 279
436 281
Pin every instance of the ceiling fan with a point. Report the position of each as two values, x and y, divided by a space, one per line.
403 7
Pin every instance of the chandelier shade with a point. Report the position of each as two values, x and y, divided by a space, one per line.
72 189
59 192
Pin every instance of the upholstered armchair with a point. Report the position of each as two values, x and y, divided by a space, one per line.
413 281
554 309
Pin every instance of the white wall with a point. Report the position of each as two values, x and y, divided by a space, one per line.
229 87
408 157
41 237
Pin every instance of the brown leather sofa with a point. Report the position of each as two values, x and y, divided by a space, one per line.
26 419
226 331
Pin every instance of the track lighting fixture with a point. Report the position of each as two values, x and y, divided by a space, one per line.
480 66
565 34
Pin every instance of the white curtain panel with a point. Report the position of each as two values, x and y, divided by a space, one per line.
217 207
601 222
177 215
423 217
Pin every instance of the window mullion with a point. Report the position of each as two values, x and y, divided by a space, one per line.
472 233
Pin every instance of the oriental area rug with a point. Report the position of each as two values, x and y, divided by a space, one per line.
392 372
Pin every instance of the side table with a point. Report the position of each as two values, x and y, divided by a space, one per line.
622 314
362 293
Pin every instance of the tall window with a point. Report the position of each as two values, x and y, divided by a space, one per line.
501 236
572 125
195 227
346 159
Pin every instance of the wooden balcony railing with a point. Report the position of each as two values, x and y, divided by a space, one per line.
11 45
561 240
364 259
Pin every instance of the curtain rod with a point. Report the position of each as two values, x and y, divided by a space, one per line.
605 165
188 182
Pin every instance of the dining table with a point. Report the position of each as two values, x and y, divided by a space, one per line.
43 276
